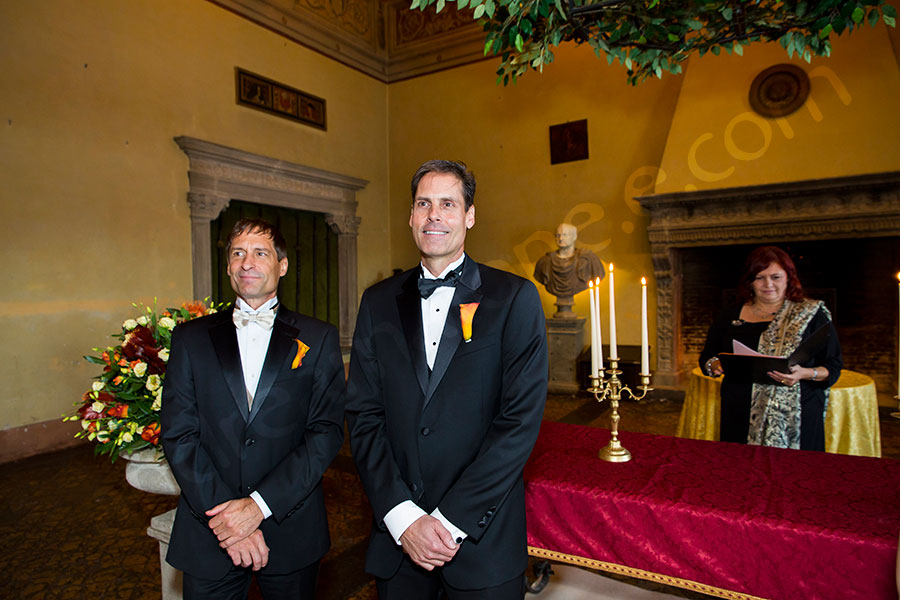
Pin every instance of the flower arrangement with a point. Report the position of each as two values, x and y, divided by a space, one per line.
121 410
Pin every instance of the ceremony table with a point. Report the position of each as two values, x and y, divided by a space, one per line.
729 520
851 420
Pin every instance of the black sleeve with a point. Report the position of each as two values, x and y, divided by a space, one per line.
830 356
717 338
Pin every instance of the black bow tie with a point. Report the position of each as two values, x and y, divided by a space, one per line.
427 286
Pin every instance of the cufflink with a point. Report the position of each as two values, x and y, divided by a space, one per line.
459 540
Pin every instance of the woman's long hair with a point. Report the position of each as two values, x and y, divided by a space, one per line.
759 260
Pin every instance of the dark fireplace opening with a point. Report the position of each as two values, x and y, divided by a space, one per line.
856 278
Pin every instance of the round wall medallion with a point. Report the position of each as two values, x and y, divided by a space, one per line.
779 90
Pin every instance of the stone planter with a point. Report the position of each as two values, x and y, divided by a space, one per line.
149 472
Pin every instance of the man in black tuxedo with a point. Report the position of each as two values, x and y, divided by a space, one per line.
252 415
448 378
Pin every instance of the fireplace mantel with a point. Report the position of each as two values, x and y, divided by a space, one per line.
857 206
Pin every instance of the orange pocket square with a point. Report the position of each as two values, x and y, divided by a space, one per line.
302 349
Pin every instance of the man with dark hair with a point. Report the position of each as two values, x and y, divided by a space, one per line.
448 377
252 416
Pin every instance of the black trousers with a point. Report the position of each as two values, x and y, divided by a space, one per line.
297 585
412 582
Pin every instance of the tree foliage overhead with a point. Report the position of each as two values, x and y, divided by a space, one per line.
653 36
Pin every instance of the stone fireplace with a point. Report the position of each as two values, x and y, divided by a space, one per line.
843 233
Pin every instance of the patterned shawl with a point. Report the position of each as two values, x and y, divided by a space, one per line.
775 409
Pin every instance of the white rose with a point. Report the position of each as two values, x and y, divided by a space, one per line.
157 404
167 323
97 386
142 320
153 382
164 355
98 407
126 437
129 324
140 369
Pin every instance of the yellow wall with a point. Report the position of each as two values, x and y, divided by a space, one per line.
502 134
94 205
93 199
849 125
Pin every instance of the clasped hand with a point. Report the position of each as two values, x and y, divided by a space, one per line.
236 525
428 543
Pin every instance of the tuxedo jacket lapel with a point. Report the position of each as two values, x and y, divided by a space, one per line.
409 305
281 345
224 340
467 290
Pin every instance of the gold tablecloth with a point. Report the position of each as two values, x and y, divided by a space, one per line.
851 421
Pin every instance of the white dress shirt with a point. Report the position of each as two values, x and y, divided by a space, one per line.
434 316
253 344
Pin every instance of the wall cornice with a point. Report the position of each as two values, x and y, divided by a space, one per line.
381 38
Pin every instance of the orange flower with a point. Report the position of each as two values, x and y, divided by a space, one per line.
151 433
117 380
302 349
105 356
118 410
196 308
122 362
466 315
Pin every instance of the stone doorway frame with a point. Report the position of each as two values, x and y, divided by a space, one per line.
856 206
218 174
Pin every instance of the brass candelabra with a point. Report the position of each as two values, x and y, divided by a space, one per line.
613 389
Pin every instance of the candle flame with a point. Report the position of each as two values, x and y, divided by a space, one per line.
591 283
898 275
610 267
598 281
643 281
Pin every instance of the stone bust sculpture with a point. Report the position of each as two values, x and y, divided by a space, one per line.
567 270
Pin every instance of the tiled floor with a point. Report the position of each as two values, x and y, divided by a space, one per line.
72 528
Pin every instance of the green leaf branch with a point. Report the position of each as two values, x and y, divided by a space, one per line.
656 36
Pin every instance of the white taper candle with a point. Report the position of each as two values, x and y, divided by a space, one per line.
613 349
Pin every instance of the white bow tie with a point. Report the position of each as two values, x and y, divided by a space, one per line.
263 318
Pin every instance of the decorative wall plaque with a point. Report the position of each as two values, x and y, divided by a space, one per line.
779 90
568 142
255 91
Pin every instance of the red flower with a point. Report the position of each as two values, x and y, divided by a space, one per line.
140 345
151 433
86 411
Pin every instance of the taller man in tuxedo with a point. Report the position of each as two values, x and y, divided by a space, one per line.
448 378
252 415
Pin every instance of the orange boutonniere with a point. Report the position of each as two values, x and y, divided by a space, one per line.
302 349
466 314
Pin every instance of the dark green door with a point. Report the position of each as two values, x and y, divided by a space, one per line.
311 284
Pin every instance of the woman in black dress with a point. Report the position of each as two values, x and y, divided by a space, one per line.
774 317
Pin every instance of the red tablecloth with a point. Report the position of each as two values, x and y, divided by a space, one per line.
767 522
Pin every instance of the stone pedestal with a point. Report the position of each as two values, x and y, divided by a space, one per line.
161 529
565 338
148 472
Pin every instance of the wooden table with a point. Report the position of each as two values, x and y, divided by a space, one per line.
729 520
851 420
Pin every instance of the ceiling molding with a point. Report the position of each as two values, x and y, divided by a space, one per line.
381 38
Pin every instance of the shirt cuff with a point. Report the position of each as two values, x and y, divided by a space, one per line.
261 504
399 518
458 534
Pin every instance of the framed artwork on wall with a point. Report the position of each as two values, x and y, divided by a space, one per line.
261 93
568 142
